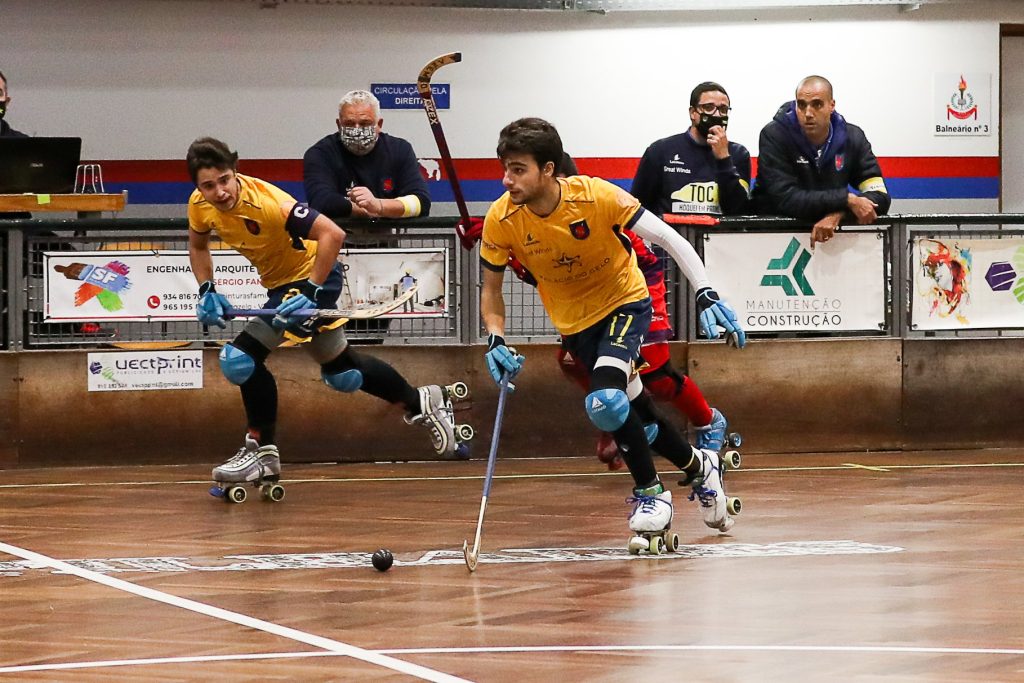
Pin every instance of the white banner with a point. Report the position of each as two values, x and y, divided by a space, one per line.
145 370
972 283
776 283
158 285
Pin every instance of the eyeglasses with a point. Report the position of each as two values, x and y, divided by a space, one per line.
711 108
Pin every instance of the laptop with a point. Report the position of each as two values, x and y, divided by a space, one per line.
38 165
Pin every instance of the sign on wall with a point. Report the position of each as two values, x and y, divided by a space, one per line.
971 283
158 285
145 370
963 104
406 96
776 283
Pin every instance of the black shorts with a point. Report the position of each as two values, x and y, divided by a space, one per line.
328 297
618 335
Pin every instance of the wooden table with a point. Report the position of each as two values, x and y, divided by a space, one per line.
87 205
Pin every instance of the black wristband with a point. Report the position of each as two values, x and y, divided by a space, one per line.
494 341
206 288
311 290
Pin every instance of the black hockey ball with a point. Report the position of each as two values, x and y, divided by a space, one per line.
382 560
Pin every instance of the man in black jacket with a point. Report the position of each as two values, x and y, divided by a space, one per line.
5 101
814 165
359 171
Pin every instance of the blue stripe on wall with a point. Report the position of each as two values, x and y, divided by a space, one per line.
489 190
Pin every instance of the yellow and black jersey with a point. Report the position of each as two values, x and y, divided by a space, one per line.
256 229
584 266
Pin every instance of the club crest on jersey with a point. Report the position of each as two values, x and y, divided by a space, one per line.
839 162
252 226
580 230
389 185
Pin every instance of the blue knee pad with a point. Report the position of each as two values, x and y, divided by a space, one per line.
347 381
607 408
236 364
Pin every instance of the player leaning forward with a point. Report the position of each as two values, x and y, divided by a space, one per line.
567 232
294 250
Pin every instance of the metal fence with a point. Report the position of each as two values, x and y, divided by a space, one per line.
24 243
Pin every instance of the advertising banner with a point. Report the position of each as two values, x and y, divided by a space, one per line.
145 370
154 285
967 283
776 283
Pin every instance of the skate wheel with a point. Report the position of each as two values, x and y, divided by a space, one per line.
637 544
236 494
672 542
272 492
459 391
732 460
657 545
464 432
462 452
733 505
734 439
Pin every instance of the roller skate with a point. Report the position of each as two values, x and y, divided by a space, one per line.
438 415
608 452
651 522
253 464
709 488
713 435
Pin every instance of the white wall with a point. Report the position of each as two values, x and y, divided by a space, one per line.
140 80
1013 125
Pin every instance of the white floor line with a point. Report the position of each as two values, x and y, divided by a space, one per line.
550 475
854 649
234 617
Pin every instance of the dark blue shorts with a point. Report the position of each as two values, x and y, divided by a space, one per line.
619 335
328 297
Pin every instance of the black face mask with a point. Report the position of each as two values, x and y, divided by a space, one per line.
708 121
3 109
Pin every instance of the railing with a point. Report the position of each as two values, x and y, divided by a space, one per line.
24 242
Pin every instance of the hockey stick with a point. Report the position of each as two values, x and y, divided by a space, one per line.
472 556
423 85
359 313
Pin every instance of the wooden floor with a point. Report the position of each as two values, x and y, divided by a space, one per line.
855 567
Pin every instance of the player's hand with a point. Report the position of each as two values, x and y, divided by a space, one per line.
521 272
825 228
287 309
715 313
718 141
212 307
470 234
502 360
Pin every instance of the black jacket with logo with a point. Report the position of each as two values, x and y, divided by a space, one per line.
794 180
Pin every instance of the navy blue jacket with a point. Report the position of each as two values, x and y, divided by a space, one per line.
676 172
7 132
793 180
390 170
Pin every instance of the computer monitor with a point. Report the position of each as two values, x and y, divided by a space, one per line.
38 165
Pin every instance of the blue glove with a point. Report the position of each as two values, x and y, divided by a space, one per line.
212 306
502 360
715 313
306 298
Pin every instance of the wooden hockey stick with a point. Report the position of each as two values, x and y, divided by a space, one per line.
472 556
358 313
423 85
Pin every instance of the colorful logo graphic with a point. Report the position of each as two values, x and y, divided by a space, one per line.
104 283
97 368
1003 276
947 271
961 105
580 230
794 266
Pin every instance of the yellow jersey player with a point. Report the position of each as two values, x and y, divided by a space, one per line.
567 232
295 252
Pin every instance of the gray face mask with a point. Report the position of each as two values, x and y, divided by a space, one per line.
358 140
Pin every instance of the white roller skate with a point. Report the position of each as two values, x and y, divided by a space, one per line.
713 435
709 489
253 464
651 521
438 415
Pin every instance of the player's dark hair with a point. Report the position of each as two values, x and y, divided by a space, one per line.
209 153
567 166
706 86
532 136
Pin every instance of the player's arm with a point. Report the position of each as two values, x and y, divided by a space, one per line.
310 225
714 312
212 306
501 359
321 184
